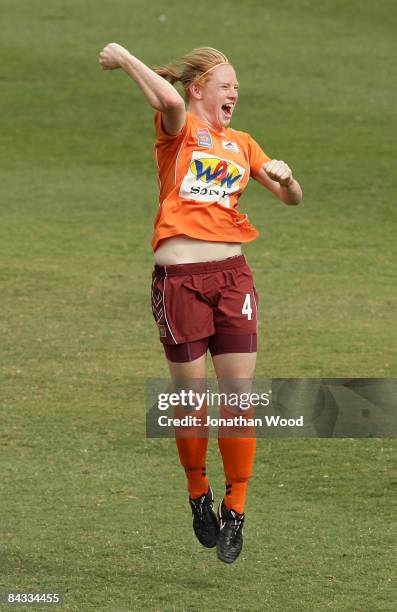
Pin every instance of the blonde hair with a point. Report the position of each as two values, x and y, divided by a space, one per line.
192 67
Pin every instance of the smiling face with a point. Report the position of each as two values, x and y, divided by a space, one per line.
215 100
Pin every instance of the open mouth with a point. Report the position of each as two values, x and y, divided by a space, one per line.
228 110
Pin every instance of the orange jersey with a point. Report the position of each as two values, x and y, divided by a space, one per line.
202 174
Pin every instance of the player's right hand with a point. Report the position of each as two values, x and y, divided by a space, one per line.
111 56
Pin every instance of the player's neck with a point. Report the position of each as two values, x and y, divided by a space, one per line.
200 113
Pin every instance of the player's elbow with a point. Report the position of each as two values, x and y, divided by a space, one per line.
171 102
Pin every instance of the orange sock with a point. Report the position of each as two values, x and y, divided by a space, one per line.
192 455
238 458
192 443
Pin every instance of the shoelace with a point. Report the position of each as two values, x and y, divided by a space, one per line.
201 504
236 522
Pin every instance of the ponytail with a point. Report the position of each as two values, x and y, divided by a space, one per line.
192 67
169 72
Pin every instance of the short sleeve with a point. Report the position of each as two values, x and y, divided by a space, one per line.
161 134
257 157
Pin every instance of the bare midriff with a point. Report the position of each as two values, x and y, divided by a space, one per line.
181 249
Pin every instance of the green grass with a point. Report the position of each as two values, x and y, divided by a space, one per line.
88 506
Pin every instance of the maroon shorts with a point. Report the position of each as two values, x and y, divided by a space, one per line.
205 305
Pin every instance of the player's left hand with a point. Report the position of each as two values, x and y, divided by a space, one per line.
279 171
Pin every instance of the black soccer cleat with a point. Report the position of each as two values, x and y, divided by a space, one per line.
205 523
230 540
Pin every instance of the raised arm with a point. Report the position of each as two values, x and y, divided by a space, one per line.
160 94
276 176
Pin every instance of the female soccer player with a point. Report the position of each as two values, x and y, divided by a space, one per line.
203 295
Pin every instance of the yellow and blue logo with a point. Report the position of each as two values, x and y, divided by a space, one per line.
217 171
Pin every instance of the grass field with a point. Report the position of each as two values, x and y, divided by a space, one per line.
88 505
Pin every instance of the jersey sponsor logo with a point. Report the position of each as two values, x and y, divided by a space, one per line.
215 170
204 138
211 179
229 145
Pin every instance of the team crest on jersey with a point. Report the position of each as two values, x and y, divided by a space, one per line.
229 145
211 179
204 138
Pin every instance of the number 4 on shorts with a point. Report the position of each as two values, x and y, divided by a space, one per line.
247 310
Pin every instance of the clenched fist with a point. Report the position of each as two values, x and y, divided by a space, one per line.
279 171
111 56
